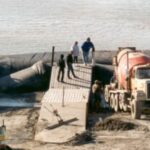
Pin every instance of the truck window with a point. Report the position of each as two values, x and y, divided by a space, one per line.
142 73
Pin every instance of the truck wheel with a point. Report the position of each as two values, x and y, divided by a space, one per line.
116 103
135 109
112 101
120 102
106 94
125 107
120 105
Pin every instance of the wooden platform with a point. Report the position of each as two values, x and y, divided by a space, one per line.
64 107
83 79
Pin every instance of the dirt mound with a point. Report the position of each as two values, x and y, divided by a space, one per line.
80 139
114 124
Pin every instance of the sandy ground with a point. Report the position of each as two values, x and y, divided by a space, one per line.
106 131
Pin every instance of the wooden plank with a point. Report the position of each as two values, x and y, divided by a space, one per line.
70 95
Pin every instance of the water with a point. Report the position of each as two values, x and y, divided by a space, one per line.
28 26
16 103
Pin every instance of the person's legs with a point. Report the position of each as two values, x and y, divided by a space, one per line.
87 57
75 59
98 102
62 76
93 109
84 57
58 76
71 69
68 73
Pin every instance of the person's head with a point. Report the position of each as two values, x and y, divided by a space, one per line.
76 42
61 56
88 39
97 82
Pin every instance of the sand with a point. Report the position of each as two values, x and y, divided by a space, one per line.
108 131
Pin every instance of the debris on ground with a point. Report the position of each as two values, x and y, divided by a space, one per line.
32 120
80 139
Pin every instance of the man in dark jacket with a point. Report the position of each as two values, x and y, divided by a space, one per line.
86 46
61 64
97 90
69 64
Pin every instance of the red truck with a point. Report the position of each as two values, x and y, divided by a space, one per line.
129 88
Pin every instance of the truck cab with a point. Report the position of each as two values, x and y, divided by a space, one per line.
140 81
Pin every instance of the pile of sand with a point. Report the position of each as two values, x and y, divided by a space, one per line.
117 125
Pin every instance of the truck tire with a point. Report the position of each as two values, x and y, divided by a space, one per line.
120 102
112 100
106 94
135 109
120 105
116 103
125 107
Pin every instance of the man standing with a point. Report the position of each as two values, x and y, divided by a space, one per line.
69 64
61 64
87 45
97 90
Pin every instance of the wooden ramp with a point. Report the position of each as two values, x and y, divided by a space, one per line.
83 79
64 107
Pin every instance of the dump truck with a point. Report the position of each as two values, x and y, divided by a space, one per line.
129 88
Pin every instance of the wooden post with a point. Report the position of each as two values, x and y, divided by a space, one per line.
53 50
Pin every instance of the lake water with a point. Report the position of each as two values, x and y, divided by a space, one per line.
28 26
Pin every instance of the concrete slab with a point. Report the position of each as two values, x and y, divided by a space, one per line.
50 130
70 119
66 95
64 107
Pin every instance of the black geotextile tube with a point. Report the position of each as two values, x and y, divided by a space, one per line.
34 78
12 63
